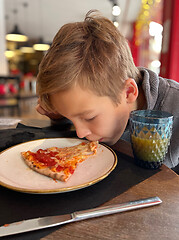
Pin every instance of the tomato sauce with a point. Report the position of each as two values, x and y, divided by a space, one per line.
44 157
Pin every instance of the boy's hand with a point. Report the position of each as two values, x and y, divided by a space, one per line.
42 111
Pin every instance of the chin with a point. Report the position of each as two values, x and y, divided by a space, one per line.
110 142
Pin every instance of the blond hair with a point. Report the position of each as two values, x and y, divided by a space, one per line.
92 54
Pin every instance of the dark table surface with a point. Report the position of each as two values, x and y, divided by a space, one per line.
127 182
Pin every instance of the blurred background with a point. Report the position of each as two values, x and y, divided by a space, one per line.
27 28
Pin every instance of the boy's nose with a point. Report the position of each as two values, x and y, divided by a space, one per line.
82 131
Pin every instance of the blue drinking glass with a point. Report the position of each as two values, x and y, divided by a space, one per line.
150 132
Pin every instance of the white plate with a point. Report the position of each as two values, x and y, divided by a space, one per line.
16 175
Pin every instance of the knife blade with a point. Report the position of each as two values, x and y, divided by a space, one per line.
52 221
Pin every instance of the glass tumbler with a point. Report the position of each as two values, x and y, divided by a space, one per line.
150 132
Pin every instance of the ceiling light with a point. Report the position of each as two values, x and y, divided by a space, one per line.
116 10
9 54
41 46
156 63
16 35
116 24
155 28
27 49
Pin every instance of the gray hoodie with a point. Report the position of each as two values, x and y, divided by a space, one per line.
163 94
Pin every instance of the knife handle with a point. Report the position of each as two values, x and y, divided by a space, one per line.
101 211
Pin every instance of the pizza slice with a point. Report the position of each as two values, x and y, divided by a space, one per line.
59 163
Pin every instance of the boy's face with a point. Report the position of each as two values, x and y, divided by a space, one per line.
94 117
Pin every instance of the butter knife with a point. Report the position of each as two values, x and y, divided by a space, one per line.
52 221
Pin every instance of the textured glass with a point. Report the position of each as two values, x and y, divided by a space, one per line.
150 136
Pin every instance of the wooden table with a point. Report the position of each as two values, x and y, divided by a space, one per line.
159 222
153 223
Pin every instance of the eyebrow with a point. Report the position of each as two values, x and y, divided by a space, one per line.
82 113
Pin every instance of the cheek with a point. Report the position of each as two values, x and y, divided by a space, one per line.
119 120
103 125
122 121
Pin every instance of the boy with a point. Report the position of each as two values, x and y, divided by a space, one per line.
89 77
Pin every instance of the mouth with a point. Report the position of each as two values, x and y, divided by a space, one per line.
101 139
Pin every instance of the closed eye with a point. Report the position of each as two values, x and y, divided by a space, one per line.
90 119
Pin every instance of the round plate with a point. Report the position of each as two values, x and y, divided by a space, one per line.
16 175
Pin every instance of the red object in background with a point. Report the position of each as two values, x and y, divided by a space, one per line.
22 84
170 46
3 89
12 88
29 74
134 47
15 72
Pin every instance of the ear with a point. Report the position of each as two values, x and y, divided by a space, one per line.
131 90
